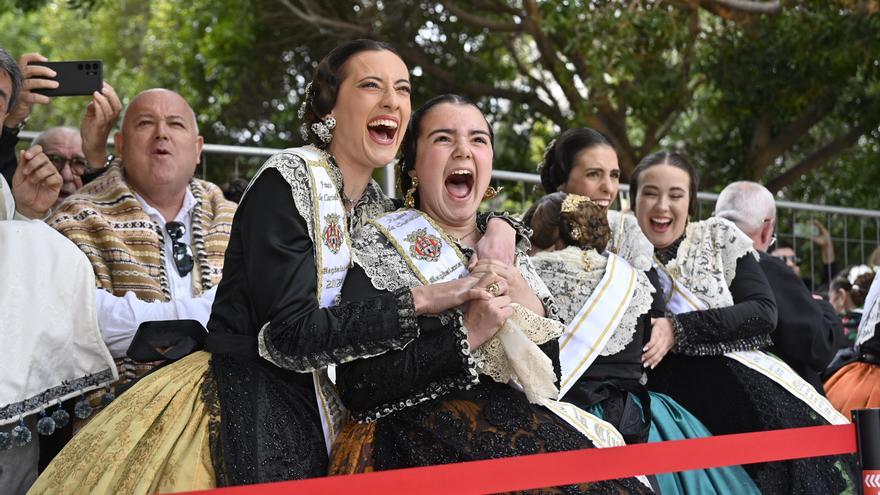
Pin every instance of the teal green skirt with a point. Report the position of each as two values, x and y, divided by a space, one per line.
670 421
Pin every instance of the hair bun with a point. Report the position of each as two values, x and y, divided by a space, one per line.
584 223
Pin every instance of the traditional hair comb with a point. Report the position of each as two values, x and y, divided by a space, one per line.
572 202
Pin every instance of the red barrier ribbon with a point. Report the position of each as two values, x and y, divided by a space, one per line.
563 468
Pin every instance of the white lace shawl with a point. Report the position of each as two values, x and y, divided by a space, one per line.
628 241
871 315
571 284
387 270
293 169
707 257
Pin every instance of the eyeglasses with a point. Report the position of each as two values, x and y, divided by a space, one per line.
183 256
789 259
78 164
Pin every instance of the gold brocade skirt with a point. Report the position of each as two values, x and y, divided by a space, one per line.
855 386
153 438
353 449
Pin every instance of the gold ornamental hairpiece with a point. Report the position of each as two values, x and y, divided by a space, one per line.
572 202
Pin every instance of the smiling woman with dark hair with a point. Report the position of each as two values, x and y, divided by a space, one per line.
446 396
258 407
720 315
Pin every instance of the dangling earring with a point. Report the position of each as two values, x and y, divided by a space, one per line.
410 201
324 129
491 192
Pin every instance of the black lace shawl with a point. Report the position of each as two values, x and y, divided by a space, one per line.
729 397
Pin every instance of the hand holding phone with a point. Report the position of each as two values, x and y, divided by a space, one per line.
74 78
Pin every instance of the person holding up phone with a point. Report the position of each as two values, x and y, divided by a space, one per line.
74 152
36 184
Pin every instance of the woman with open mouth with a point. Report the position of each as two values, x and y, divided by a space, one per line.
258 405
722 313
446 397
602 371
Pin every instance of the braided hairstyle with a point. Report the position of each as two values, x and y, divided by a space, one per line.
320 97
561 153
585 226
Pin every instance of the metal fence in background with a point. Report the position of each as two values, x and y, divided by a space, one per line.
855 232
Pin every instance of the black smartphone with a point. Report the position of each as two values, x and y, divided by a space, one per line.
75 78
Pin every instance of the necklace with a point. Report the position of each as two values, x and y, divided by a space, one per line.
459 239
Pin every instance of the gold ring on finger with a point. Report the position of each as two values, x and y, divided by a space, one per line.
493 289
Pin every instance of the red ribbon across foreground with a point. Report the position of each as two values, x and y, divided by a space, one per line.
562 468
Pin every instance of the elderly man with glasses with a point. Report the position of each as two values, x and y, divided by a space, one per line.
808 331
155 235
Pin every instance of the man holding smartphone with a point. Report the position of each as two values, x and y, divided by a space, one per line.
35 183
90 141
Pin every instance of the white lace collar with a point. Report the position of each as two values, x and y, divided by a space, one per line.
706 260
572 275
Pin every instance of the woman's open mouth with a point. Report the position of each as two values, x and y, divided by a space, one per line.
382 130
459 184
660 225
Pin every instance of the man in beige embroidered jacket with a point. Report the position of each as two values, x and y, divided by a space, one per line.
155 235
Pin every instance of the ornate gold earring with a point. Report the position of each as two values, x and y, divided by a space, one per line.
491 192
410 201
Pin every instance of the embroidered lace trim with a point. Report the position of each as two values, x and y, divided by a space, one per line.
628 241
571 284
706 260
462 381
356 349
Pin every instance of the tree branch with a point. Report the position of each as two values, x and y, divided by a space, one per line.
322 21
417 57
765 149
819 157
482 22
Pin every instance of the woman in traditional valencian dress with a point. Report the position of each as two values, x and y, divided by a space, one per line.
857 385
583 161
445 397
609 305
723 312
248 410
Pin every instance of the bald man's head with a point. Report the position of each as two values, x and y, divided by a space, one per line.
159 143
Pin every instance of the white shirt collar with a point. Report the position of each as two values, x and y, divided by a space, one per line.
189 202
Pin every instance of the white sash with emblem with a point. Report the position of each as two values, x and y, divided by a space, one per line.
433 257
332 260
682 300
592 326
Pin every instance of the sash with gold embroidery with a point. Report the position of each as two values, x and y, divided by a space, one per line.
682 300
332 260
595 323
433 257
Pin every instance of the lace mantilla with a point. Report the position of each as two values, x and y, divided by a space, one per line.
572 283
536 328
387 270
706 260
293 168
628 241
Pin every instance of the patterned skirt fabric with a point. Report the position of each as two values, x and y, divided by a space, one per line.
489 421
153 438
729 397
855 386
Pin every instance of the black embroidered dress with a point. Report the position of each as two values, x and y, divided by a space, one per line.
429 403
727 396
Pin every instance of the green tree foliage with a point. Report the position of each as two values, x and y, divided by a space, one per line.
785 92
